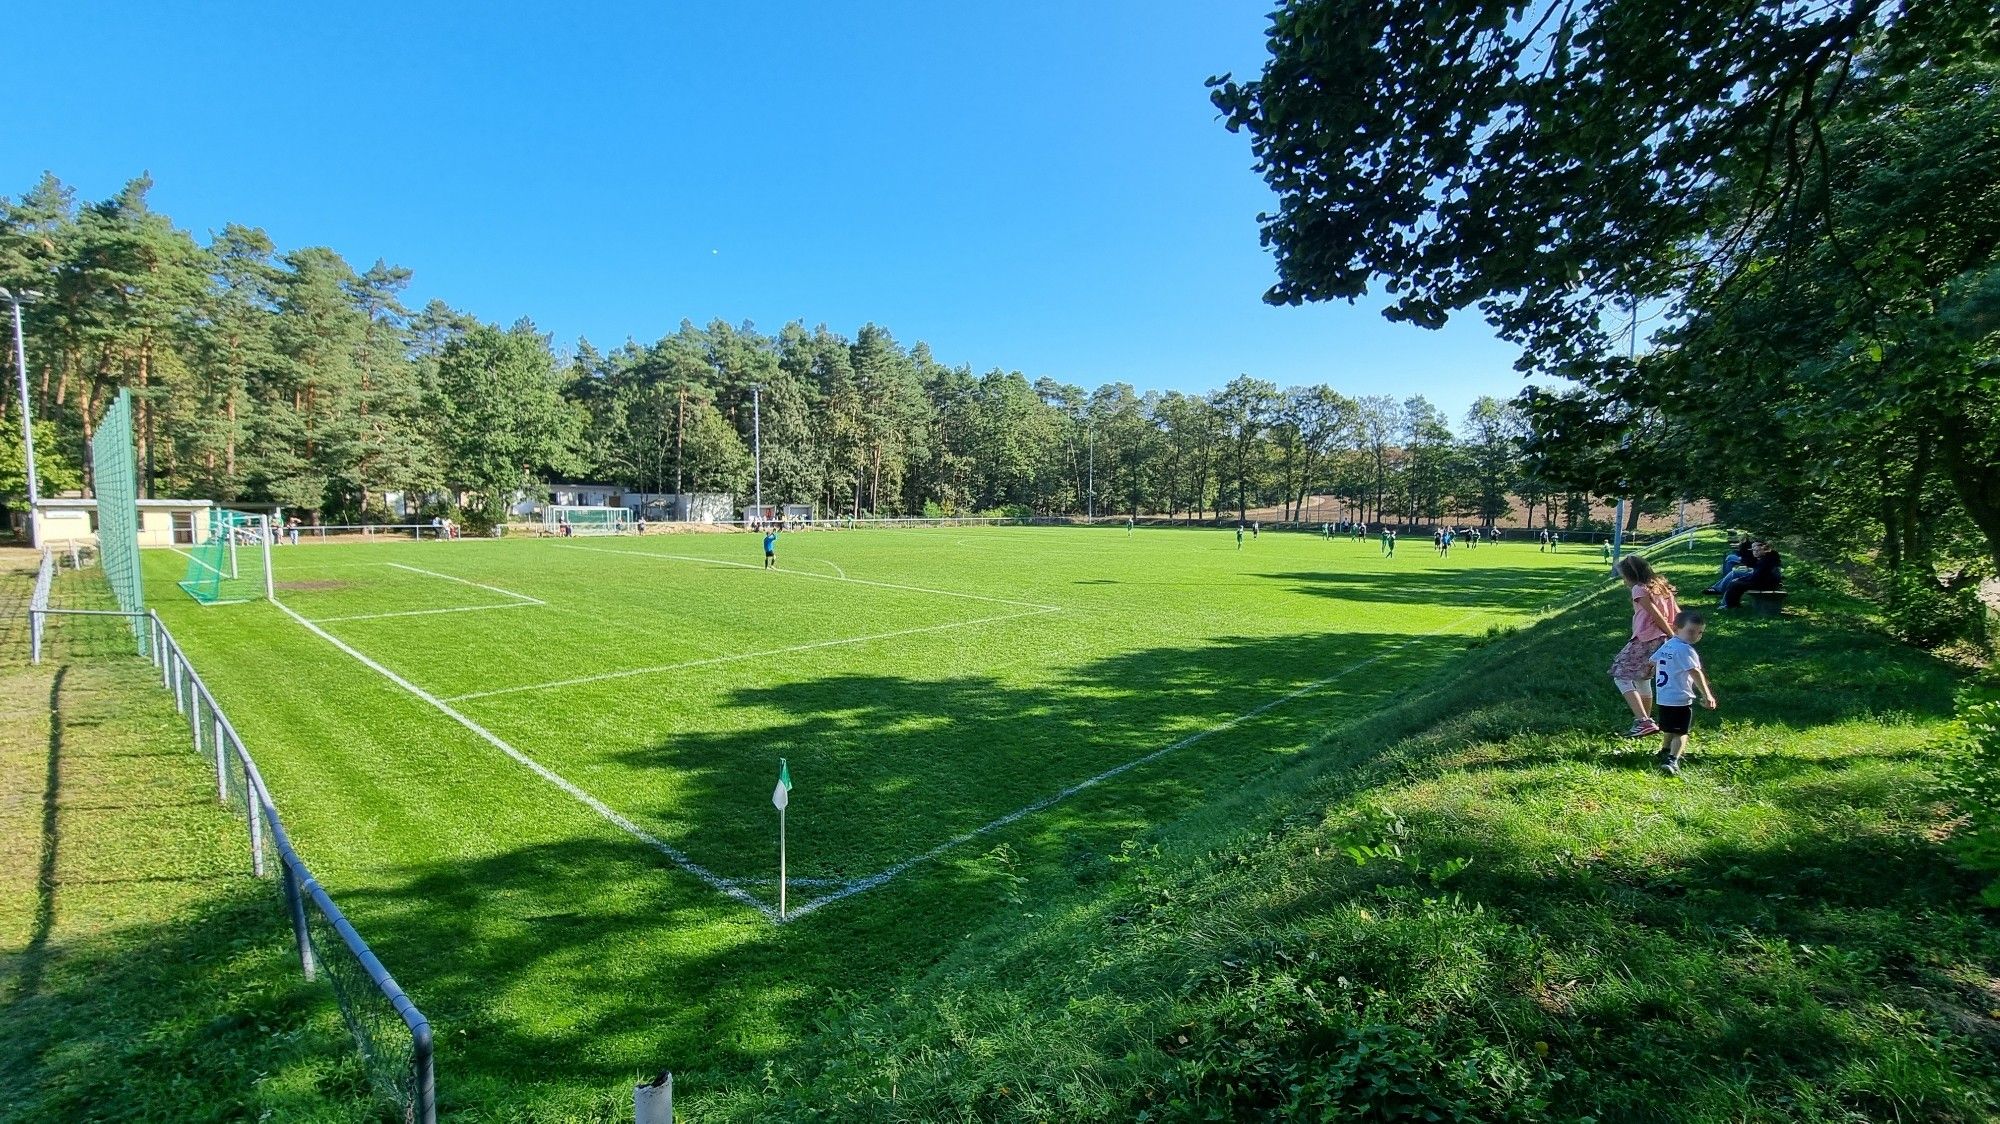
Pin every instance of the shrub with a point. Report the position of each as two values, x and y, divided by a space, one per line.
1974 784
1922 613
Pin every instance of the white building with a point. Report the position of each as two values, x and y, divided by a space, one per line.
161 522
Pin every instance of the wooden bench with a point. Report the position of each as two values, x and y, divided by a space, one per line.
1766 602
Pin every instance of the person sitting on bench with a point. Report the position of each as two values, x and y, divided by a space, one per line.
1766 573
1738 557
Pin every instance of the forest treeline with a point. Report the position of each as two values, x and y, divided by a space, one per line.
292 377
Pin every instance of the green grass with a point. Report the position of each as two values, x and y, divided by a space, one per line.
1479 905
143 974
559 956
1437 877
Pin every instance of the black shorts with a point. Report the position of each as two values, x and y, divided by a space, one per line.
1674 719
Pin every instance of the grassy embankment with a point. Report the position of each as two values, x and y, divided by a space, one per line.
1482 904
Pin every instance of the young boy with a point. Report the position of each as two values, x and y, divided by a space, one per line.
1677 676
770 549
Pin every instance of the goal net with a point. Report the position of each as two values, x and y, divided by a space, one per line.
568 519
232 561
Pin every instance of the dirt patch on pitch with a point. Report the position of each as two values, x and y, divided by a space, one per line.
312 585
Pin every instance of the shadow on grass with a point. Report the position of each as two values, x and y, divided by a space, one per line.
888 766
1477 584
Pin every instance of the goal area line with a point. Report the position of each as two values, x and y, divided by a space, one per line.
710 661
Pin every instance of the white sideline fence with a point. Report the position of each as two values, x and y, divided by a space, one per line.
396 1046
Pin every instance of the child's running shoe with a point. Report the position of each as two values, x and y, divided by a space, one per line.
1643 728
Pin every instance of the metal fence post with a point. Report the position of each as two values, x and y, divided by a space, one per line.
256 834
295 900
34 636
221 769
194 722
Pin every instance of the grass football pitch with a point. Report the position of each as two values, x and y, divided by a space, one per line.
538 773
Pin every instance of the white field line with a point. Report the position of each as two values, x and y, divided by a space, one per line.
679 859
521 597
882 877
711 660
427 612
197 561
816 577
836 569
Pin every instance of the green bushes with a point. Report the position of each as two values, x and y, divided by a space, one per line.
1974 783
1921 612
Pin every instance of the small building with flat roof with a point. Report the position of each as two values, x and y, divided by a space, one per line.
161 522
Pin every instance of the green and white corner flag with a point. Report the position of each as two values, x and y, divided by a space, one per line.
782 795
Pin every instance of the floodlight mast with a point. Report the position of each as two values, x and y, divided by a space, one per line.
757 443
21 374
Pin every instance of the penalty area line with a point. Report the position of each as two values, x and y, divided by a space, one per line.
711 660
521 597
680 859
815 577
428 612
889 874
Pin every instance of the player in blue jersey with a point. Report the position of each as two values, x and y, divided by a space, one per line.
771 548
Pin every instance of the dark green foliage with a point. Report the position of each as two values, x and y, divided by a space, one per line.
1974 784
1920 612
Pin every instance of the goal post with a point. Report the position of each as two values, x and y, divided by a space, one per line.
214 570
578 519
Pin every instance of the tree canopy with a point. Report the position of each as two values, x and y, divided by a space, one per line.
290 376
1799 196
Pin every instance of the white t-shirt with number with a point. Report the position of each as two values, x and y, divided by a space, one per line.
1674 666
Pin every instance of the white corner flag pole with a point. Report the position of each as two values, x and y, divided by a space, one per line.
781 798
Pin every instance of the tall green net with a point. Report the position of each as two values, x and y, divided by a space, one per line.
214 570
116 479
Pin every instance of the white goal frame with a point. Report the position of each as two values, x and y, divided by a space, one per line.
598 521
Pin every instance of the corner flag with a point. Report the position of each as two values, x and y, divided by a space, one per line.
781 796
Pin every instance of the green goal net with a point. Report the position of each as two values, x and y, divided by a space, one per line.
216 569
116 480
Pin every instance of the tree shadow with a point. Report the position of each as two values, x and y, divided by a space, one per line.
1475 584
888 766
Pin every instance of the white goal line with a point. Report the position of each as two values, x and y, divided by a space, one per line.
711 660
679 858
815 577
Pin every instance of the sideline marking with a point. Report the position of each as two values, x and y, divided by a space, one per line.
814 577
706 661
836 569
679 858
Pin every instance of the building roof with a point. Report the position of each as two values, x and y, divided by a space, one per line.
67 504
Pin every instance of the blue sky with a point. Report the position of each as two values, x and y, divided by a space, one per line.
1033 186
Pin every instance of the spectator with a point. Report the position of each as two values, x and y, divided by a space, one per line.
1766 573
1738 556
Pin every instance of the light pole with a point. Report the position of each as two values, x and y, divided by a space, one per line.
21 372
757 443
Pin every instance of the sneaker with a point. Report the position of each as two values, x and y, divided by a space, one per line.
1643 728
1671 766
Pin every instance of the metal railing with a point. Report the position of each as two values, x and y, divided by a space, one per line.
392 1035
